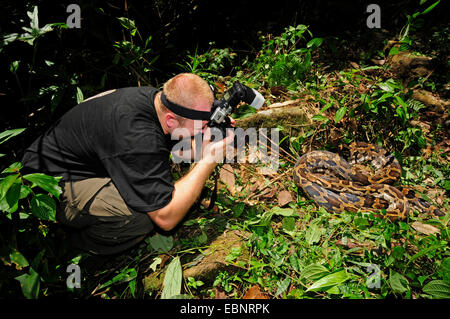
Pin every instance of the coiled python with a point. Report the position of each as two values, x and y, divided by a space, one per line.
339 185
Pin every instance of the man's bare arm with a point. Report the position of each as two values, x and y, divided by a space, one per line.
186 192
188 188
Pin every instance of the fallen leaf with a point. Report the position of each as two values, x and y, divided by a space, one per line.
277 90
227 177
266 171
425 228
251 202
354 65
157 261
219 294
378 62
206 204
267 192
353 244
423 125
164 259
255 293
284 197
362 88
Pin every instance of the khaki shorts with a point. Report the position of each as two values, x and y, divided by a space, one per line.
101 221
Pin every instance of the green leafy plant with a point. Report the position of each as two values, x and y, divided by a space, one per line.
194 284
135 53
414 21
41 83
283 60
226 281
27 203
32 33
386 104
172 280
211 64
126 275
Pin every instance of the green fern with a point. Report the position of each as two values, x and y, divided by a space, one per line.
415 105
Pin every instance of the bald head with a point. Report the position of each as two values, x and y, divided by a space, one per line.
190 91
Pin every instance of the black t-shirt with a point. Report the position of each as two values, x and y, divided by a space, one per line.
118 136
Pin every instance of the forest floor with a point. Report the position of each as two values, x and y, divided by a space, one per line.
263 238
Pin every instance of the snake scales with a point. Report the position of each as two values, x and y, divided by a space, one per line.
339 185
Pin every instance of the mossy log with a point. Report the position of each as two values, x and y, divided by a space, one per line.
206 266
434 103
289 114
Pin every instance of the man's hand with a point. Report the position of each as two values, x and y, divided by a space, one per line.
215 151
187 154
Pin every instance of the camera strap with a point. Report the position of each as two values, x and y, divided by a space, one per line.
184 111
213 197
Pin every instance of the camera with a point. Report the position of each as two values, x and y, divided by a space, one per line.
224 107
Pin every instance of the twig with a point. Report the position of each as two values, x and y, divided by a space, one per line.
424 80
270 183
312 137
105 276
295 158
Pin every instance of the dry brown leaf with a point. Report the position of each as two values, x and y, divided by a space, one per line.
267 192
284 197
378 62
255 293
354 65
277 90
164 259
362 88
227 177
436 194
353 244
423 125
255 184
425 228
219 294
266 171
251 202
260 182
